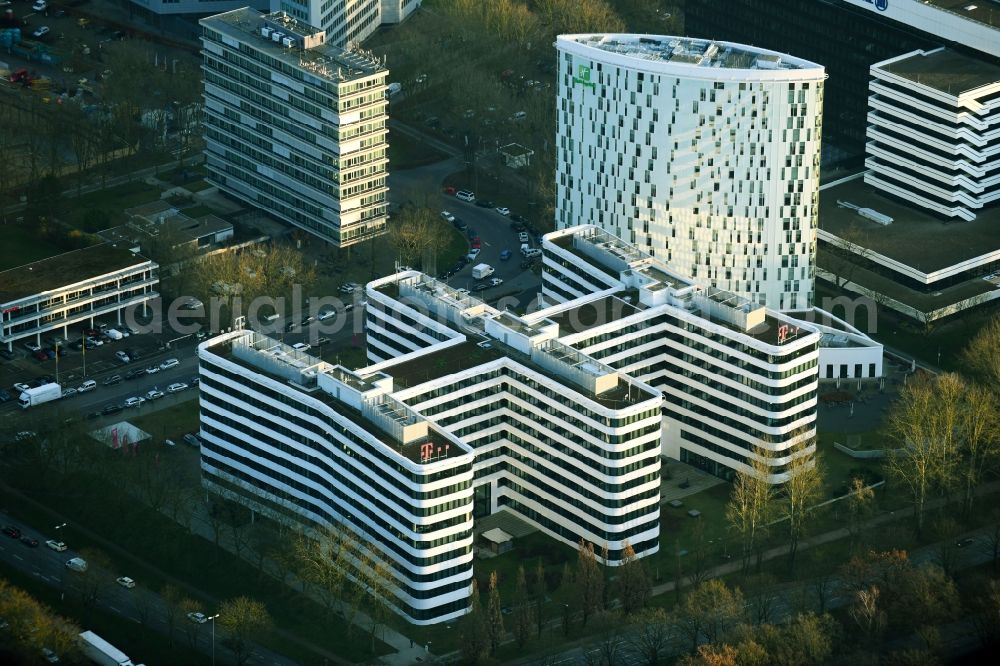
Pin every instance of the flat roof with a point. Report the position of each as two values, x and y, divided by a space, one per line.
328 62
690 52
594 313
64 269
946 70
983 11
411 451
916 237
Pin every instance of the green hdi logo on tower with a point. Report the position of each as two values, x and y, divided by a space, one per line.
583 76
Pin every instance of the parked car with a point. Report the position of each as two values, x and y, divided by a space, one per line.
484 203
5 396
41 355
169 442
30 542
12 532
123 357
9 355
197 618
57 546
134 401
480 286
40 31
523 237
113 379
195 380
86 386
133 354
300 346
503 210
125 582
94 415
154 394
21 387
496 282
69 392
962 543
111 409
40 6
505 255
177 387
447 217
169 363
473 253
152 370
50 656
192 440
32 347
135 373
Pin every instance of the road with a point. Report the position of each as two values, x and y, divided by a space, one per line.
48 566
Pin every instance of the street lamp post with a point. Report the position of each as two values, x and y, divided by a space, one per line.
212 618
62 579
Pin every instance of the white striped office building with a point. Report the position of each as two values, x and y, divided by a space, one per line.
934 132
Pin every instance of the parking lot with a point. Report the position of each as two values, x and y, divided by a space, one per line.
116 379
497 234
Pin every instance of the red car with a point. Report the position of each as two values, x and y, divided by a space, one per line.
449 190
12 532
476 243
41 355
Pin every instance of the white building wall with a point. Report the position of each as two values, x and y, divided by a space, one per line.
935 149
713 170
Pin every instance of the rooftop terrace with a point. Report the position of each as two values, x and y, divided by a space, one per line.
65 269
915 238
946 70
691 52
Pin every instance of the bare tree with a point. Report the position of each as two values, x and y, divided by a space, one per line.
589 581
979 442
523 610
982 356
243 619
475 630
495 615
750 507
633 581
802 490
867 613
707 612
860 506
921 422
651 635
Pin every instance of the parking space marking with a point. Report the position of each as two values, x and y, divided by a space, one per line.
18 557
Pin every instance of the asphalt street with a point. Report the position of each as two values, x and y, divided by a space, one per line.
49 567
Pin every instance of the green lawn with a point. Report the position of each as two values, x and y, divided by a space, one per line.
19 245
407 153
170 423
106 208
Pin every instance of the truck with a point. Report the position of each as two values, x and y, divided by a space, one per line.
480 271
102 652
39 395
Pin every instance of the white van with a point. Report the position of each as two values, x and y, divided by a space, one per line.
113 334
531 252
465 195
77 564
88 385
